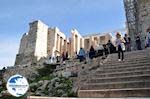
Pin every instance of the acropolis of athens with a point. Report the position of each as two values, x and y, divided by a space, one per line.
42 41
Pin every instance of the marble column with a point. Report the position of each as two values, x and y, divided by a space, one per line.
57 46
76 43
60 45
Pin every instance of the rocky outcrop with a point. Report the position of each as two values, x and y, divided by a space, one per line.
30 72
57 86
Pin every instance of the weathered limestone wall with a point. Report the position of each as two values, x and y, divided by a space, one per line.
33 45
138 19
144 18
23 43
51 41
22 49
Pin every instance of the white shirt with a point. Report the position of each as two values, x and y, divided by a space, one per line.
118 42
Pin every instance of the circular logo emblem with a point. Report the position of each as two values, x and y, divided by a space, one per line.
17 85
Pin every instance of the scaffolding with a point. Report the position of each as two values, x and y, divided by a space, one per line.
131 9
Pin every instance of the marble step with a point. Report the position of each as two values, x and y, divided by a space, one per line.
142 77
116 85
115 93
124 73
122 69
128 61
133 54
123 66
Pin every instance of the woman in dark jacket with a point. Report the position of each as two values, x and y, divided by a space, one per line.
138 42
92 52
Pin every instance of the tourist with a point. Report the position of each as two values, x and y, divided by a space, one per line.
50 58
148 37
109 44
127 42
87 57
138 43
145 42
111 48
76 55
67 55
92 52
105 51
81 55
120 46
57 59
63 57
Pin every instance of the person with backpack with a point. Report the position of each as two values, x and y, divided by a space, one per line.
110 47
81 55
120 46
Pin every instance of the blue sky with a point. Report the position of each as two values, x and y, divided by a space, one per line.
87 16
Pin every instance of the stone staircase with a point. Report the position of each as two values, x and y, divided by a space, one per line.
129 78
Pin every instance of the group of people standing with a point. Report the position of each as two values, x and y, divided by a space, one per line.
147 40
121 44
83 55
124 44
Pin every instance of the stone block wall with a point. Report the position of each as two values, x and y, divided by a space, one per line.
138 19
23 43
144 18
